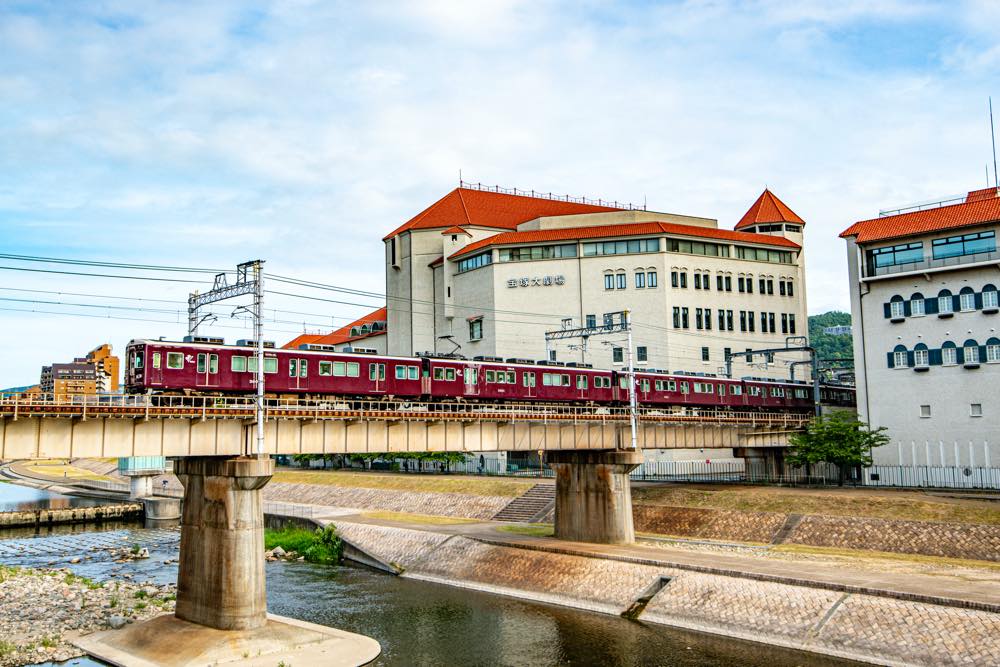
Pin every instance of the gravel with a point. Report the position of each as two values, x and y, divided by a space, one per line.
42 610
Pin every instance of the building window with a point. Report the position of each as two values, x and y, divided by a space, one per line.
640 279
697 317
750 321
729 320
899 359
651 279
967 301
706 281
674 279
781 287
475 262
476 329
921 358
749 284
697 280
916 306
764 255
743 320
677 317
770 285
761 285
684 318
609 281
975 409
704 354
729 283
925 412
591 321
784 323
971 353
722 320
718 284
617 355
620 281
791 323
621 247
741 284
896 309
790 290
697 248
708 319
906 253
949 355
968 244
641 354
763 322
945 303
525 254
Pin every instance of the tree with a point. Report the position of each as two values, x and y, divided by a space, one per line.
838 438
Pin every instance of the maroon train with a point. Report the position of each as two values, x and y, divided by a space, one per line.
157 366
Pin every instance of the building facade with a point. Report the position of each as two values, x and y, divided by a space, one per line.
925 317
486 274
96 373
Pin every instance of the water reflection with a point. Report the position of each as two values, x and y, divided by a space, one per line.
18 498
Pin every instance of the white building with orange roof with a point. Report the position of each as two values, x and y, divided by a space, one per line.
925 317
485 273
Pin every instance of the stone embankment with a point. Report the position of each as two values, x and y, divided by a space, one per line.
42 611
874 628
48 517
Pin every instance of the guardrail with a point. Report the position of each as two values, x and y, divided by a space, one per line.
241 407
289 509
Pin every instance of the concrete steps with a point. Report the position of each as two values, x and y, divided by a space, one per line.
537 503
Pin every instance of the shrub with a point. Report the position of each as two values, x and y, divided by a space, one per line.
322 545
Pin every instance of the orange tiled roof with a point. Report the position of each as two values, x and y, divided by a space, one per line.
341 335
463 206
455 230
632 229
980 206
768 208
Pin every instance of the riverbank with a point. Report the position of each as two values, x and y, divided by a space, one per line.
857 620
43 611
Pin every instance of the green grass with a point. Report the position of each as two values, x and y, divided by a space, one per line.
6 648
534 530
477 486
866 503
322 545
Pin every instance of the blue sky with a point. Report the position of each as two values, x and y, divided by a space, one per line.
204 134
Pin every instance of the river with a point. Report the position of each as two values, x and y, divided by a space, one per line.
14 497
417 623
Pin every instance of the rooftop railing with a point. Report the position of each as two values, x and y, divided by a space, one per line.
930 264
548 195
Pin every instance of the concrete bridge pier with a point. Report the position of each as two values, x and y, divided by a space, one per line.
220 580
593 495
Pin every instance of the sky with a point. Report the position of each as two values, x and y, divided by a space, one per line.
206 134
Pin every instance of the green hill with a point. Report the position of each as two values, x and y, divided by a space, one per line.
828 346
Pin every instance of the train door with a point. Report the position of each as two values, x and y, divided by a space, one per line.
528 380
376 374
471 378
207 369
642 388
425 376
298 371
155 372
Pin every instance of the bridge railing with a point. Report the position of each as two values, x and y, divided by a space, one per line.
242 407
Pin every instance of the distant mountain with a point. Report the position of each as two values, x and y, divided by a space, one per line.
831 346
16 390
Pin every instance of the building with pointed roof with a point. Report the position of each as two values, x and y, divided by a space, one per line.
924 308
365 334
486 272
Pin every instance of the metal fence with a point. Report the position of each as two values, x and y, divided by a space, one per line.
727 472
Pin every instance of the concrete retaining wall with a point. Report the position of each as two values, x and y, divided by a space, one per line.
125 511
869 628
420 502
707 523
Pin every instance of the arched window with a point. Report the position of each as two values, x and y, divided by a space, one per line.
921 356
967 299
970 353
897 308
949 354
609 279
917 305
946 305
993 350
899 357
990 298
621 282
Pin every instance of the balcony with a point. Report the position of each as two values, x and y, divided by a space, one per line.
932 265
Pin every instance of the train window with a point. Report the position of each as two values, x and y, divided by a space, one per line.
565 381
413 372
400 372
736 390
156 359
326 368
753 391
622 382
800 393
704 388
293 367
644 385
777 392
684 387
602 381
213 363
581 381
491 376
236 364
376 371
528 379
511 377
471 377
137 360
303 367
270 364
722 390
658 385
353 369
175 360
339 369
438 373
202 363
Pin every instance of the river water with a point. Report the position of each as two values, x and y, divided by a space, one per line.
14 497
417 623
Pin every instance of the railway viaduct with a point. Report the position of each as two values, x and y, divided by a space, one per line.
221 575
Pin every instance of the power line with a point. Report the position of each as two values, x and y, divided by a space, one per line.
101 275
